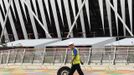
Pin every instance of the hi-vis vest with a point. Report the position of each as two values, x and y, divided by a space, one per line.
77 59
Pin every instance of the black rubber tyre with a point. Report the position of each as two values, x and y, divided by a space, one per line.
63 71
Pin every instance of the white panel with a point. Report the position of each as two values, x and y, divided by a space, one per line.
130 14
68 15
32 21
11 20
55 17
116 18
35 7
82 18
60 9
24 9
5 30
109 17
43 15
88 13
102 13
21 19
123 14
47 7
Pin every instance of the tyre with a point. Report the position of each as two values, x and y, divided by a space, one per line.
63 71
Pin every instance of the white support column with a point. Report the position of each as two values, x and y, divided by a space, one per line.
11 20
47 7
35 7
66 4
43 15
73 7
115 3
13 9
21 19
82 18
102 14
2 6
60 9
23 6
123 14
37 19
32 21
124 24
88 13
55 18
130 14
109 18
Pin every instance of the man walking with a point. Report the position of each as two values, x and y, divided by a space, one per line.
76 61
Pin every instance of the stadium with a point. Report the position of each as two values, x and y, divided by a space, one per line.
35 35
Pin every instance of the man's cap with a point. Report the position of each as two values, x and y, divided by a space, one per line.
70 43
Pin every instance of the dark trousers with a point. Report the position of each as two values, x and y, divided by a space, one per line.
76 67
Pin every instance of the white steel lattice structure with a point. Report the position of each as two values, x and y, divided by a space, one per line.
26 19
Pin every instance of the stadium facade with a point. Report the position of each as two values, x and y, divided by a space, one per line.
33 19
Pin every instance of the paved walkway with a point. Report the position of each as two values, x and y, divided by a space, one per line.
20 71
49 70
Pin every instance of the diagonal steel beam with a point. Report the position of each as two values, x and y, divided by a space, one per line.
4 23
109 18
10 17
47 33
116 13
1 22
74 23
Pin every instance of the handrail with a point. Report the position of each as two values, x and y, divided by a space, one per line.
112 55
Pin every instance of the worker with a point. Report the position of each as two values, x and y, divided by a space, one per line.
76 61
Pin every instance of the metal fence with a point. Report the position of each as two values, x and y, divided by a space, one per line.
111 55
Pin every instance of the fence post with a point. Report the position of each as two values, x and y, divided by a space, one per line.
54 56
43 57
1 57
65 59
23 56
16 52
8 57
32 60
89 57
127 55
101 61
114 58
